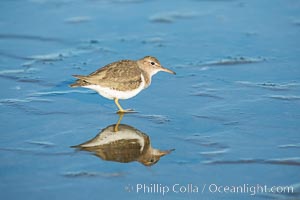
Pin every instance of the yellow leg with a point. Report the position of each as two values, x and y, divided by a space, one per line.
116 129
121 110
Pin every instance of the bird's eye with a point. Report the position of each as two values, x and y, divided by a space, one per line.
152 160
152 63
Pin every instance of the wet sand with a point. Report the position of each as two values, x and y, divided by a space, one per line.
231 113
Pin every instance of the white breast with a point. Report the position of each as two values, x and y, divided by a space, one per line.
108 137
112 94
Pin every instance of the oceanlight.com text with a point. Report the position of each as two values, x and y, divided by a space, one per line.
212 188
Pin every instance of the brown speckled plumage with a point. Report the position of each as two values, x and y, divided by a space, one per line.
122 79
115 75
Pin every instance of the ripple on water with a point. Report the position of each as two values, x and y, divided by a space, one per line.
288 146
79 174
218 119
205 141
159 119
26 105
213 118
285 97
280 161
206 94
24 75
269 85
83 48
18 71
233 61
60 92
157 41
78 19
170 17
153 40
26 79
213 153
25 100
296 22
36 151
41 143
32 37
205 148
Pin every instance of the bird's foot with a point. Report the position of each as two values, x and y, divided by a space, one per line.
126 111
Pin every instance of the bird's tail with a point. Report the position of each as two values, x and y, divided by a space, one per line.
79 82
74 84
79 77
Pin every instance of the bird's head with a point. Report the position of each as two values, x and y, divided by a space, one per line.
151 65
152 156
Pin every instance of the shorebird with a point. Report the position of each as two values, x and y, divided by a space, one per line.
123 79
126 144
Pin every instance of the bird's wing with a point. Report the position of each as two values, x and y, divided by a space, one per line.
125 75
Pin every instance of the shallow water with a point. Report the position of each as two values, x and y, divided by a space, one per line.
231 113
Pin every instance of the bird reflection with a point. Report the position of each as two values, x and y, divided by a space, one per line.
123 143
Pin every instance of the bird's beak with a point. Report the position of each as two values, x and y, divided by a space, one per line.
167 70
162 153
